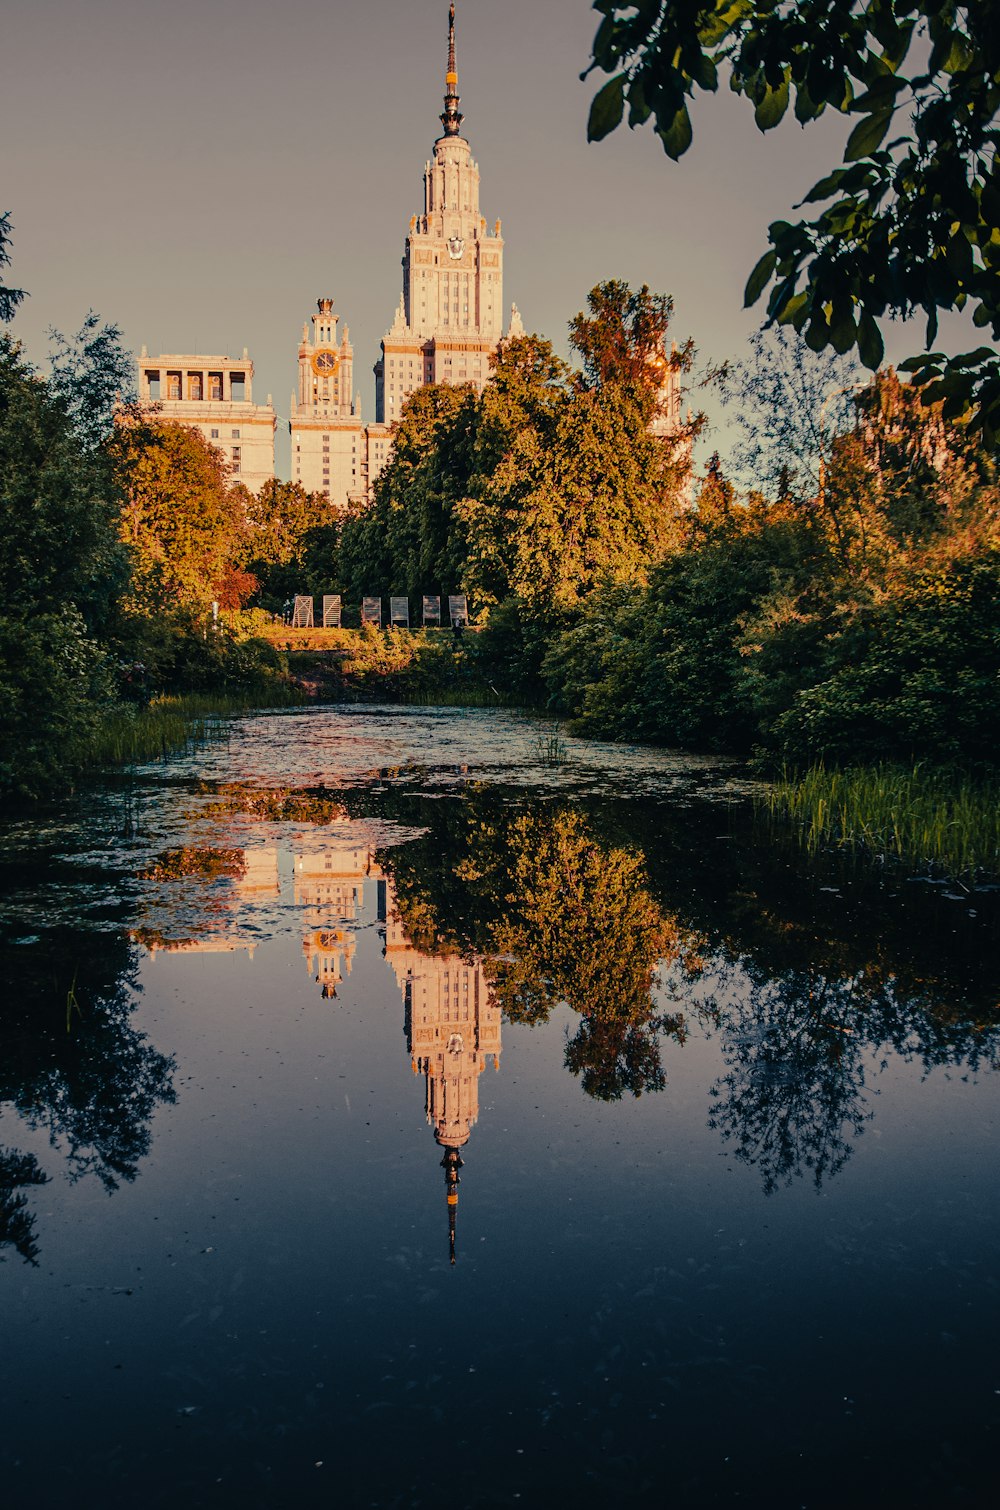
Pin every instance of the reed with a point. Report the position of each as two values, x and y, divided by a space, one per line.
131 735
932 818
551 749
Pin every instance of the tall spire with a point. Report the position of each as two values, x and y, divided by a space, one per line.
452 117
451 1164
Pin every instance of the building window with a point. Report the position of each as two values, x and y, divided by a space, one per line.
236 435
214 434
237 457
238 386
174 386
215 386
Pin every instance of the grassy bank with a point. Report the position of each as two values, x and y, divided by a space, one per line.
132 734
427 668
929 819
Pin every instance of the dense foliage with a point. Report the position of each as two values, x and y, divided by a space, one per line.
530 495
115 538
912 223
857 623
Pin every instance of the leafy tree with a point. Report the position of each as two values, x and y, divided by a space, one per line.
573 488
10 298
291 541
622 339
912 223
93 375
183 519
59 540
789 402
407 541
62 568
278 517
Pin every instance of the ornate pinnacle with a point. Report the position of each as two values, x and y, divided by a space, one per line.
451 117
451 1164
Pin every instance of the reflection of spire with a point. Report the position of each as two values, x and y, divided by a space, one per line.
452 1026
451 1164
451 118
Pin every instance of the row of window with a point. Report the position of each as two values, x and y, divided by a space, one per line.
234 434
196 387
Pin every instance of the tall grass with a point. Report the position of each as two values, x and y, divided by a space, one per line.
936 819
132 735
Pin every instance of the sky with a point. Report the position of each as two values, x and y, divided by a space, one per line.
200 172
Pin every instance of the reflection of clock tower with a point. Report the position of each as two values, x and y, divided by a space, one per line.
328 439
450 316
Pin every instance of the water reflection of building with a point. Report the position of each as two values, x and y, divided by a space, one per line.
452 1028
329 885
258 878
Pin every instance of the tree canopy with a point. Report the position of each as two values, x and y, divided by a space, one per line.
10 298
183 520
910 219
547 483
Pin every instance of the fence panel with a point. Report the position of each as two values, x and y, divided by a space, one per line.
331 610
458 610
302 613
371 611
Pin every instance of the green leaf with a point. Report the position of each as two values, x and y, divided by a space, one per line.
981 317
676 137
639 108
794 307
759 278
843 332
772 107
870 345
705 72
606 109
866 136
825 187
604 49
806 108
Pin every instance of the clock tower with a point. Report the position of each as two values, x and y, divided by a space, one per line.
450 315
329 445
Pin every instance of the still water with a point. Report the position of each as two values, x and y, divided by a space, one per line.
414 1108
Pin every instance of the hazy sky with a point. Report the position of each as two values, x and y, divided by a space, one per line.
200 171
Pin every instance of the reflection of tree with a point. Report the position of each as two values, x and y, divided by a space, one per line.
581 927
196 863
560 917
17 1222
73 1063
798 1049
792 1097
276 804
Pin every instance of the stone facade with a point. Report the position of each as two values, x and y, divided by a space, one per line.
450 316
214 394
333 451
448 325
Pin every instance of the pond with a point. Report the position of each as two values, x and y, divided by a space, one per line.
404 1106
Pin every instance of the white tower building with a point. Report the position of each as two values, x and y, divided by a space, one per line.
450 316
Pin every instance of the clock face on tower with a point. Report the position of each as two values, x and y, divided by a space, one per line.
456 246
325 362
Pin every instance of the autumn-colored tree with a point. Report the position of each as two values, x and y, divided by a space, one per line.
582 491
183 519
622 340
